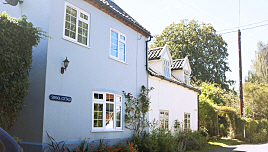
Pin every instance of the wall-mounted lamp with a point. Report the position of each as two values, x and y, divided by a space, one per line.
13 2
66 62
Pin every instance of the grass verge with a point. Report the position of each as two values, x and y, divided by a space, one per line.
212 145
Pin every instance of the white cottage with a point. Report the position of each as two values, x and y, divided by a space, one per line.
106 48
174 100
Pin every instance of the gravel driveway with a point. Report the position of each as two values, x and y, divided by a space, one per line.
244 148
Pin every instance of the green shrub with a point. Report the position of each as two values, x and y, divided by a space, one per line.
158 139
17 37
192 140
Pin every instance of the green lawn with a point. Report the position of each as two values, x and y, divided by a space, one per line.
219 143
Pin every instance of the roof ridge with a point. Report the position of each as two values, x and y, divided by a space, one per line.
156 48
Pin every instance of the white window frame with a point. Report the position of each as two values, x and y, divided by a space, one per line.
187 121
117 102
187 77
166 68
165 117
78 18
118 46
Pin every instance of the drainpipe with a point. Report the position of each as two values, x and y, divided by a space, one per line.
150 38
197 111
147 52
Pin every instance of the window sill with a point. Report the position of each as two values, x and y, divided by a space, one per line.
67 39
116 59
100 131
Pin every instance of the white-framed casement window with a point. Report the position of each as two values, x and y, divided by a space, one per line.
118 45
186 77
164 119
166 68
187 121
76 25
107 111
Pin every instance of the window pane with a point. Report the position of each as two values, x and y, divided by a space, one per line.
122 37
85 17
73 20
98 110
68 10
70 22
79 38
67 32
119 99
73 12
166 123
109 115
84 40
110 97
121 51
67 25
72 27
118 116
98 96
72 35
114 43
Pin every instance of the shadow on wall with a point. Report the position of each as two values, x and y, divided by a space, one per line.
7 143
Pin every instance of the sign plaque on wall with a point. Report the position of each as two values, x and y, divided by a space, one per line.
60 98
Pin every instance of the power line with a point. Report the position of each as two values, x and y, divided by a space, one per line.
245 29
203 13
243 26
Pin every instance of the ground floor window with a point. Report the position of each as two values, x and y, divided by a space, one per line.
164 119
107 111
187 121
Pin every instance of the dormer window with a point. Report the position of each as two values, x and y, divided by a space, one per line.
166 68
186 77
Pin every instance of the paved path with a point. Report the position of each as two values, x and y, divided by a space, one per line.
244 148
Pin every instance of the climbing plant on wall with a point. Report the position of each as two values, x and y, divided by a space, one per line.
17 37
136 110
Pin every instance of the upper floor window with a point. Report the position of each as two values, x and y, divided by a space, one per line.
166 68
118 45
76 25
107 111
186 78
164 119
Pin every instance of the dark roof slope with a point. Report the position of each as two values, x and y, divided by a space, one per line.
173 80
177 64
112 9
155 53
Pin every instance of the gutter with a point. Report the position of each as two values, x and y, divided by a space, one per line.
176 82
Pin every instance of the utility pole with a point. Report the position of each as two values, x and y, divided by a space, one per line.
240 74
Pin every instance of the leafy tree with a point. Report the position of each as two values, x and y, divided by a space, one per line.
17 37
207 51
256 100
259 69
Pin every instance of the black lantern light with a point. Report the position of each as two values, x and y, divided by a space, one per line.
66 63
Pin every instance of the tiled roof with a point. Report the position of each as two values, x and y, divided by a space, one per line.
177 64
115 11
155 53
172 80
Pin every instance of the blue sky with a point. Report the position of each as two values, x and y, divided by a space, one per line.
155 15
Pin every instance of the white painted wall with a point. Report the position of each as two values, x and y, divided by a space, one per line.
179 74
176 99
90 69
156 65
